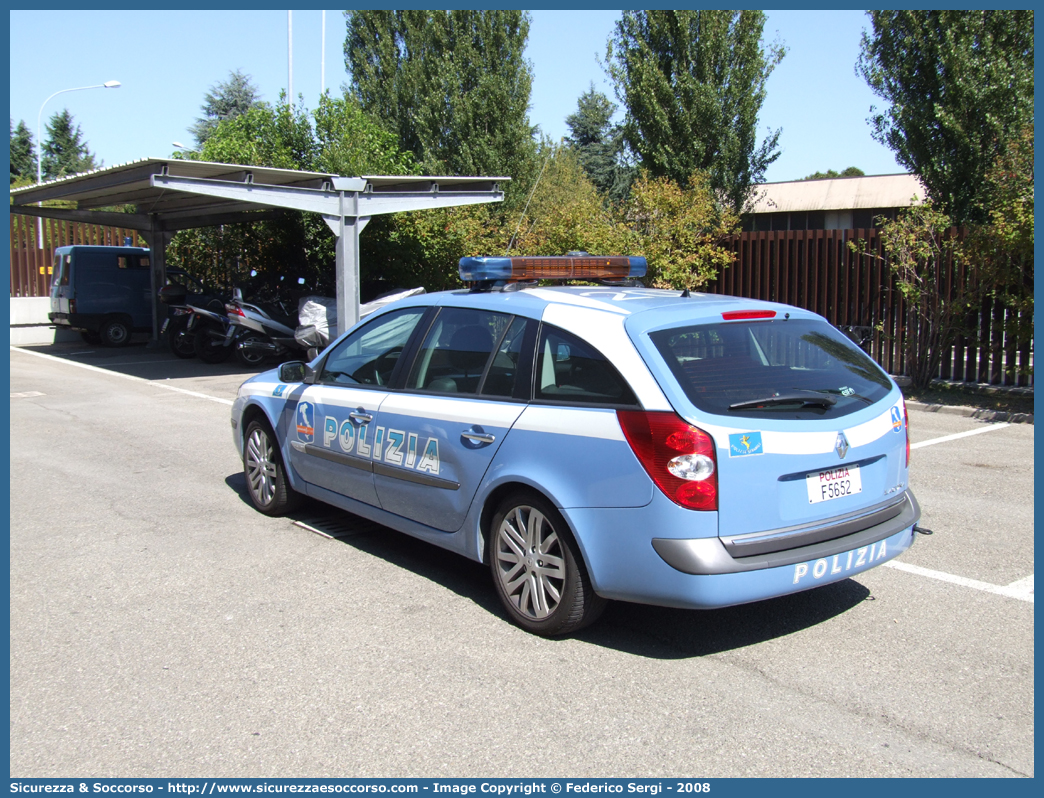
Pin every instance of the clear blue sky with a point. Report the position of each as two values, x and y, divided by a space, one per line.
167 60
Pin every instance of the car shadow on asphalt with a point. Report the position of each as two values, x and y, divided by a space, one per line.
639 629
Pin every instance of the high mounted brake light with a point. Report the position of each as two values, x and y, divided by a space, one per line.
737 315
585 267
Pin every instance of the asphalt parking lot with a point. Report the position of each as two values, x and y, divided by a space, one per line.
161 627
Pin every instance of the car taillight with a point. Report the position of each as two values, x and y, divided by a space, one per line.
679 457
234 310
906 424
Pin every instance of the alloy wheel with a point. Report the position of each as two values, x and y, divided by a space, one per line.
530 562
261 467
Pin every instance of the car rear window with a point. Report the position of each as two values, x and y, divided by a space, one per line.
61 269
781 368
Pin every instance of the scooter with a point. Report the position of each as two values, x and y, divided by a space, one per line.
270 331
318 316
186 313
262 330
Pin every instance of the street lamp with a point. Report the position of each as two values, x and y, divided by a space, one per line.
109 84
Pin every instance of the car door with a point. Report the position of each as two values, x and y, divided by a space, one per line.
434 440
333 437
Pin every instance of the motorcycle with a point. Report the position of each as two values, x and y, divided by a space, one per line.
212 335
176 328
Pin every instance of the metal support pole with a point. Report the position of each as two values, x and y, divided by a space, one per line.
157 240
347 262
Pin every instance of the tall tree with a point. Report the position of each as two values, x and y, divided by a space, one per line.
599 145
23 153
959 86
692 84
64 151
851 171
337 137
680 230
1001 248
453 85
919 247
225 100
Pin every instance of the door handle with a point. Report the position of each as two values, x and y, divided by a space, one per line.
478 437
360 417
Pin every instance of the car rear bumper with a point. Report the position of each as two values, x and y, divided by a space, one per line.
77 321
630 559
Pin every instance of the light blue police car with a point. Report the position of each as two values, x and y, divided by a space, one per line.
596 442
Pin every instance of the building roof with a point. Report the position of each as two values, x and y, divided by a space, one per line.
840 193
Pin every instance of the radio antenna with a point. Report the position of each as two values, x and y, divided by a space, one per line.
532 191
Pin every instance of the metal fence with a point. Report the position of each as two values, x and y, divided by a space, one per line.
816 270
31 266
813 269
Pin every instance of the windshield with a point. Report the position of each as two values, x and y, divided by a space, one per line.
782 368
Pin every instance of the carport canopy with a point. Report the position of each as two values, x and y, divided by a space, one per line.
167 195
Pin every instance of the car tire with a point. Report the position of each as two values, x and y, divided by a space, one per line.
266 479
537 569
251 358
208 349
181 341
115 332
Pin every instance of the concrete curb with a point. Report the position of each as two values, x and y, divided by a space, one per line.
973 412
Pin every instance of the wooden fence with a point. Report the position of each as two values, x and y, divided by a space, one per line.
31 266
816 270
812 269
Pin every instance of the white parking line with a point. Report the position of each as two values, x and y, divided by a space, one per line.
153 383
979 431
1021 590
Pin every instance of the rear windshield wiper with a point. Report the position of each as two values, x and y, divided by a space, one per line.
836 392
794 398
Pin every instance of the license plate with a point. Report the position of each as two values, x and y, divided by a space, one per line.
833 483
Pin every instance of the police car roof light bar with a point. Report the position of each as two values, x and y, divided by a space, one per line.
587 267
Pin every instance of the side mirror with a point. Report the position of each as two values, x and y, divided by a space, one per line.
296 371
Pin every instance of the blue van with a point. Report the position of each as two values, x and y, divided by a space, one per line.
104 292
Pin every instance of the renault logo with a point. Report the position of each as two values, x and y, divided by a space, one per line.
841 445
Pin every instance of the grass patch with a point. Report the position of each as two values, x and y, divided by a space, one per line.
985 397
